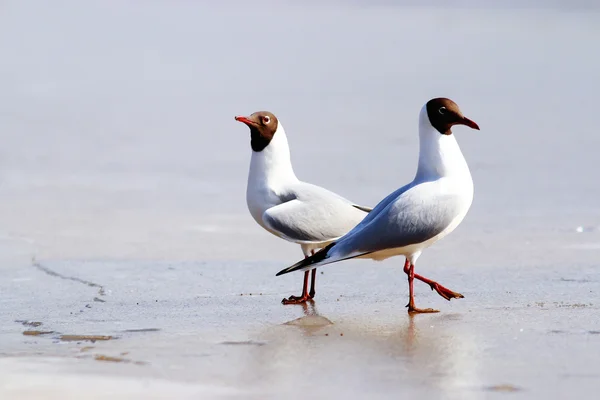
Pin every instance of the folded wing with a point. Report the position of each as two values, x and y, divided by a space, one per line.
312 214
413 216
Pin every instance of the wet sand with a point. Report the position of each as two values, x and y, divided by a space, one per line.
215 330
131 269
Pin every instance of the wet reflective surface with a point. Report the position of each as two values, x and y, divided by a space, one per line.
130 267
187 325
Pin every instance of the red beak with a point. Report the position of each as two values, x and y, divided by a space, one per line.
245 120
471 124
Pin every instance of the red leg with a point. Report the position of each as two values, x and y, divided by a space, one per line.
411 301
305 296
441 290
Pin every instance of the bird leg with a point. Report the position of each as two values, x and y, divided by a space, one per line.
441 290
411 302
313 278
305 296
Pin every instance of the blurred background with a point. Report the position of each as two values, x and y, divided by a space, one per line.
117 127
117 137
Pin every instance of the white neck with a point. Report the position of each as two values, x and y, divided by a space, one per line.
439 155
273 164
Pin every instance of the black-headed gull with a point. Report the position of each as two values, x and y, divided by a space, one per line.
418 214
287 207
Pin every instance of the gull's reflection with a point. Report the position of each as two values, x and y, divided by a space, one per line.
310 308
411 334
417 355
312 321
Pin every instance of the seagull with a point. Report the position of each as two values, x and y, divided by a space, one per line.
293 210
418 214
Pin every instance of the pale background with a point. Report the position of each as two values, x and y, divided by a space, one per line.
121 164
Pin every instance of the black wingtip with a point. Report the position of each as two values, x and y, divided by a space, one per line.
315 258
362 208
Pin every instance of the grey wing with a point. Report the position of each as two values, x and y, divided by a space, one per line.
382 205
411 218
324 194
312 222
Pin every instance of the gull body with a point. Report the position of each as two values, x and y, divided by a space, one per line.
418 214
287 207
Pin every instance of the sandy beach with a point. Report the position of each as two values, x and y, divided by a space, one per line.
130 267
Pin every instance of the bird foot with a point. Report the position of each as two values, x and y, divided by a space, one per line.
445 292
296 300
414 310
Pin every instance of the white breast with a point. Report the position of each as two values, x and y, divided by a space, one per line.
270 172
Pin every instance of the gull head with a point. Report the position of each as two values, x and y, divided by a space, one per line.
263 126
443 114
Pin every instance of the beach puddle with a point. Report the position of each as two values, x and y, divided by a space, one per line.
507 388
314 321
102 357
33 324
36 333
83 338
244 343
105 358
310 324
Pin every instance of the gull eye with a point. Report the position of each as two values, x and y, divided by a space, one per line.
266 119
442 110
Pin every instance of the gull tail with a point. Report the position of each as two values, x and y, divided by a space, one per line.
308 263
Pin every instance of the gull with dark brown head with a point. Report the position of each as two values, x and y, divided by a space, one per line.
418 214
282 204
